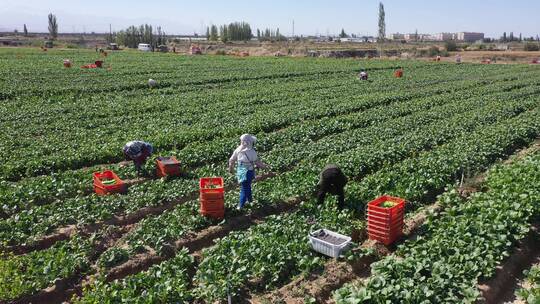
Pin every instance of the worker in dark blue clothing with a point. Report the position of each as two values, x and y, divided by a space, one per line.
333 181
138 151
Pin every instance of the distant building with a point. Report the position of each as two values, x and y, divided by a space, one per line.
396 36
444 36
415 37
469 37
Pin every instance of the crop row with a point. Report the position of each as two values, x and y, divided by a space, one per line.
38 254
238 251
461 246
45 189
62 147
438 125
27 274
242 248
26 225
245 258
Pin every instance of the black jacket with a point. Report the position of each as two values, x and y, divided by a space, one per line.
332 180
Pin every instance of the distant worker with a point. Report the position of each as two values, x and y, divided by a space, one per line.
138 151
333 181
363 75
245 159
438 57
458 58
398 73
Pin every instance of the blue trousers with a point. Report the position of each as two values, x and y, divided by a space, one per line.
245 189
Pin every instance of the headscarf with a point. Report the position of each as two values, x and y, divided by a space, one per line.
246 142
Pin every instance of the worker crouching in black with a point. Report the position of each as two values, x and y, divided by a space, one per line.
332 180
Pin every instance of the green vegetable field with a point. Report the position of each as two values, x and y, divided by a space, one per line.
460 143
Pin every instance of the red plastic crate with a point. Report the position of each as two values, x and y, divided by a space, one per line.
386 240
212 205
385 221
167 166
384 227
218 215
385 224
374 205
102 189
398 228
211 193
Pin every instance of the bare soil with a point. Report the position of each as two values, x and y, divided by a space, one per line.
501 57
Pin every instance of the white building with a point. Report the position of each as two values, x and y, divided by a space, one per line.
415 37
444 36
396 36
469 37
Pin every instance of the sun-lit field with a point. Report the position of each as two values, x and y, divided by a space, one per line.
413 137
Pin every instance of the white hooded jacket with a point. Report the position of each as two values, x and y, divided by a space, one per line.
245 154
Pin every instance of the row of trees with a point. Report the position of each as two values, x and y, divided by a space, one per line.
270 35
133 35
511 38
236 31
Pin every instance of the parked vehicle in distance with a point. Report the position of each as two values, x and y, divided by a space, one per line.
145 47
163 48
113 47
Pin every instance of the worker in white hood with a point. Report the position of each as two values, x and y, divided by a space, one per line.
245 159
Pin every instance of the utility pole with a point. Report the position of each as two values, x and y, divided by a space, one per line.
293 28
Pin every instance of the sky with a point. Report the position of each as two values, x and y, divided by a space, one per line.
311 17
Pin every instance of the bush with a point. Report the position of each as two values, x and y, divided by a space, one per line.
532 47
36 43
433 51
450 46
444 53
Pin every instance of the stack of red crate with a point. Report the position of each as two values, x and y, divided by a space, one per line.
386 224
212 197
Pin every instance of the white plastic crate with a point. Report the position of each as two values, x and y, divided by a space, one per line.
328 248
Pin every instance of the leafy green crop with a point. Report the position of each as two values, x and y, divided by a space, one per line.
462 245
164 283
408 138
26 274
531 293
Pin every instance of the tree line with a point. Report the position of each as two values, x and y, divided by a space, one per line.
236 31
133 35
512 38
270 35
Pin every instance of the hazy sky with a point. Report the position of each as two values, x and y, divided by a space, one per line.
311 16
